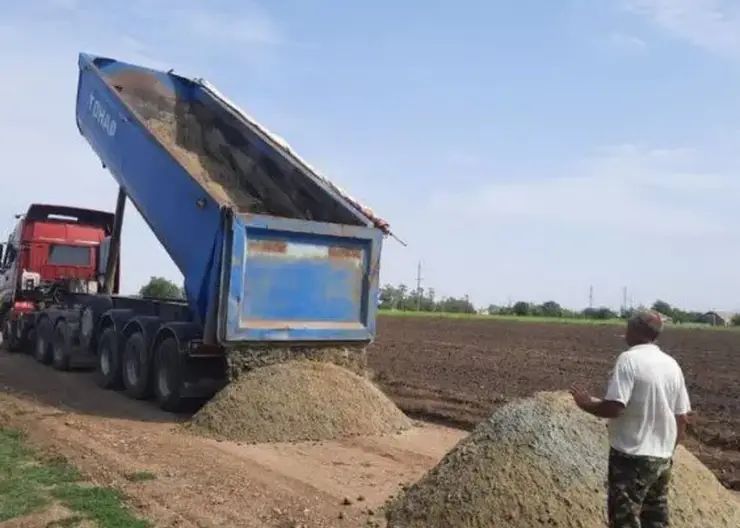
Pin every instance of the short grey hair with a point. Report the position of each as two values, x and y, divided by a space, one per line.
647 323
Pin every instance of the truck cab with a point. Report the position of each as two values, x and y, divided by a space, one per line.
50 246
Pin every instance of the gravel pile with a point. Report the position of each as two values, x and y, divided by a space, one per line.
542 462
299 400
218 177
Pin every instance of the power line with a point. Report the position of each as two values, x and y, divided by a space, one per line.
418 287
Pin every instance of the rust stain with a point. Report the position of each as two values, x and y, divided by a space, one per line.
338 252
267 246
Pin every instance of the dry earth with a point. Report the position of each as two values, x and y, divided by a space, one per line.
453 371
457 371
201 482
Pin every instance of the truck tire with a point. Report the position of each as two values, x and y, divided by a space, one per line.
43 347
136 367
168 376
10 343
61 347
108 365
30 344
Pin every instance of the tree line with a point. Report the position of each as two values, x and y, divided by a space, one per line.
426 300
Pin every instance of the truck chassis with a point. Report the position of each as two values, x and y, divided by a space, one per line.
146 347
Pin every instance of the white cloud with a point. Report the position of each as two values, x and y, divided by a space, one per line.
44 157
626 187
252 26
626 42
710 24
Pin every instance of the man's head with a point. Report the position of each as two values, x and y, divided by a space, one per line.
643 327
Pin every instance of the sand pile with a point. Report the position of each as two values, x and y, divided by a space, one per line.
542 462
299 400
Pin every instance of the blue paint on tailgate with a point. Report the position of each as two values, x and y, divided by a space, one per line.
295 280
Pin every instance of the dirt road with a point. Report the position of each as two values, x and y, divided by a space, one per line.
198 482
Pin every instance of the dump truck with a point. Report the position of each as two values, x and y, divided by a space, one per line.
51 246
276 259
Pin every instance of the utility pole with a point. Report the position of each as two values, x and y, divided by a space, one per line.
418 287
624 299
591 296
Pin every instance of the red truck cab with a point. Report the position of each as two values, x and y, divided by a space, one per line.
51 244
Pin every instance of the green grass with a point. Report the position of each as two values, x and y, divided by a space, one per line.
534 319
530 319
29 483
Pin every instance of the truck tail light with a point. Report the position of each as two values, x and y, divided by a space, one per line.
23 306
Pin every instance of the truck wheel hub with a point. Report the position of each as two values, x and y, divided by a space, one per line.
132 370
104 361
163 383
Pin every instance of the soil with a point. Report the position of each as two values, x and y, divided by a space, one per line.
540 462
457 371
202 482
298 401
446 370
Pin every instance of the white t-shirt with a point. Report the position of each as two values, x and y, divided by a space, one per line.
651 385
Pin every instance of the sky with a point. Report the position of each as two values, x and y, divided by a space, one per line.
523 150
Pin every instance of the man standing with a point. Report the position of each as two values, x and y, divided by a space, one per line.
647 406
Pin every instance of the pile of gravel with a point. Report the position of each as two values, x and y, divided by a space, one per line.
298 400
220 179
542 462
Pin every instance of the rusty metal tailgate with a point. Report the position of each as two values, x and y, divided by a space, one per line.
299 281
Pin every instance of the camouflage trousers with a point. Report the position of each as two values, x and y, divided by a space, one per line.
637 495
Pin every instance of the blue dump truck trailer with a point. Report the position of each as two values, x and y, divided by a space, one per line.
276 259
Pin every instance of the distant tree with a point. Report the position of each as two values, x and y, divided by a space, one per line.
601 313
550 309
456 305
735 321
401 297
663 308
161 288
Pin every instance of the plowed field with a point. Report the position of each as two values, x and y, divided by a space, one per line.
458 370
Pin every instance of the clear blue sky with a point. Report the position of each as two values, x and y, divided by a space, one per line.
524 150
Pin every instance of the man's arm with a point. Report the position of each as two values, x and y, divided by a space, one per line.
681 410
617 394
603 408
682 422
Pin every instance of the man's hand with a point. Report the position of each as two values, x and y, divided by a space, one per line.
581 397
599 408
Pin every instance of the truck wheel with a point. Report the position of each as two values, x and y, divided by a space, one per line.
61 347
30 344
168 375
136 371
9 341
43 349
108 366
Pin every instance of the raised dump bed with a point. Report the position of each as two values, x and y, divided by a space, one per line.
300 257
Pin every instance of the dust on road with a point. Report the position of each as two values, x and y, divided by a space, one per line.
202 482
